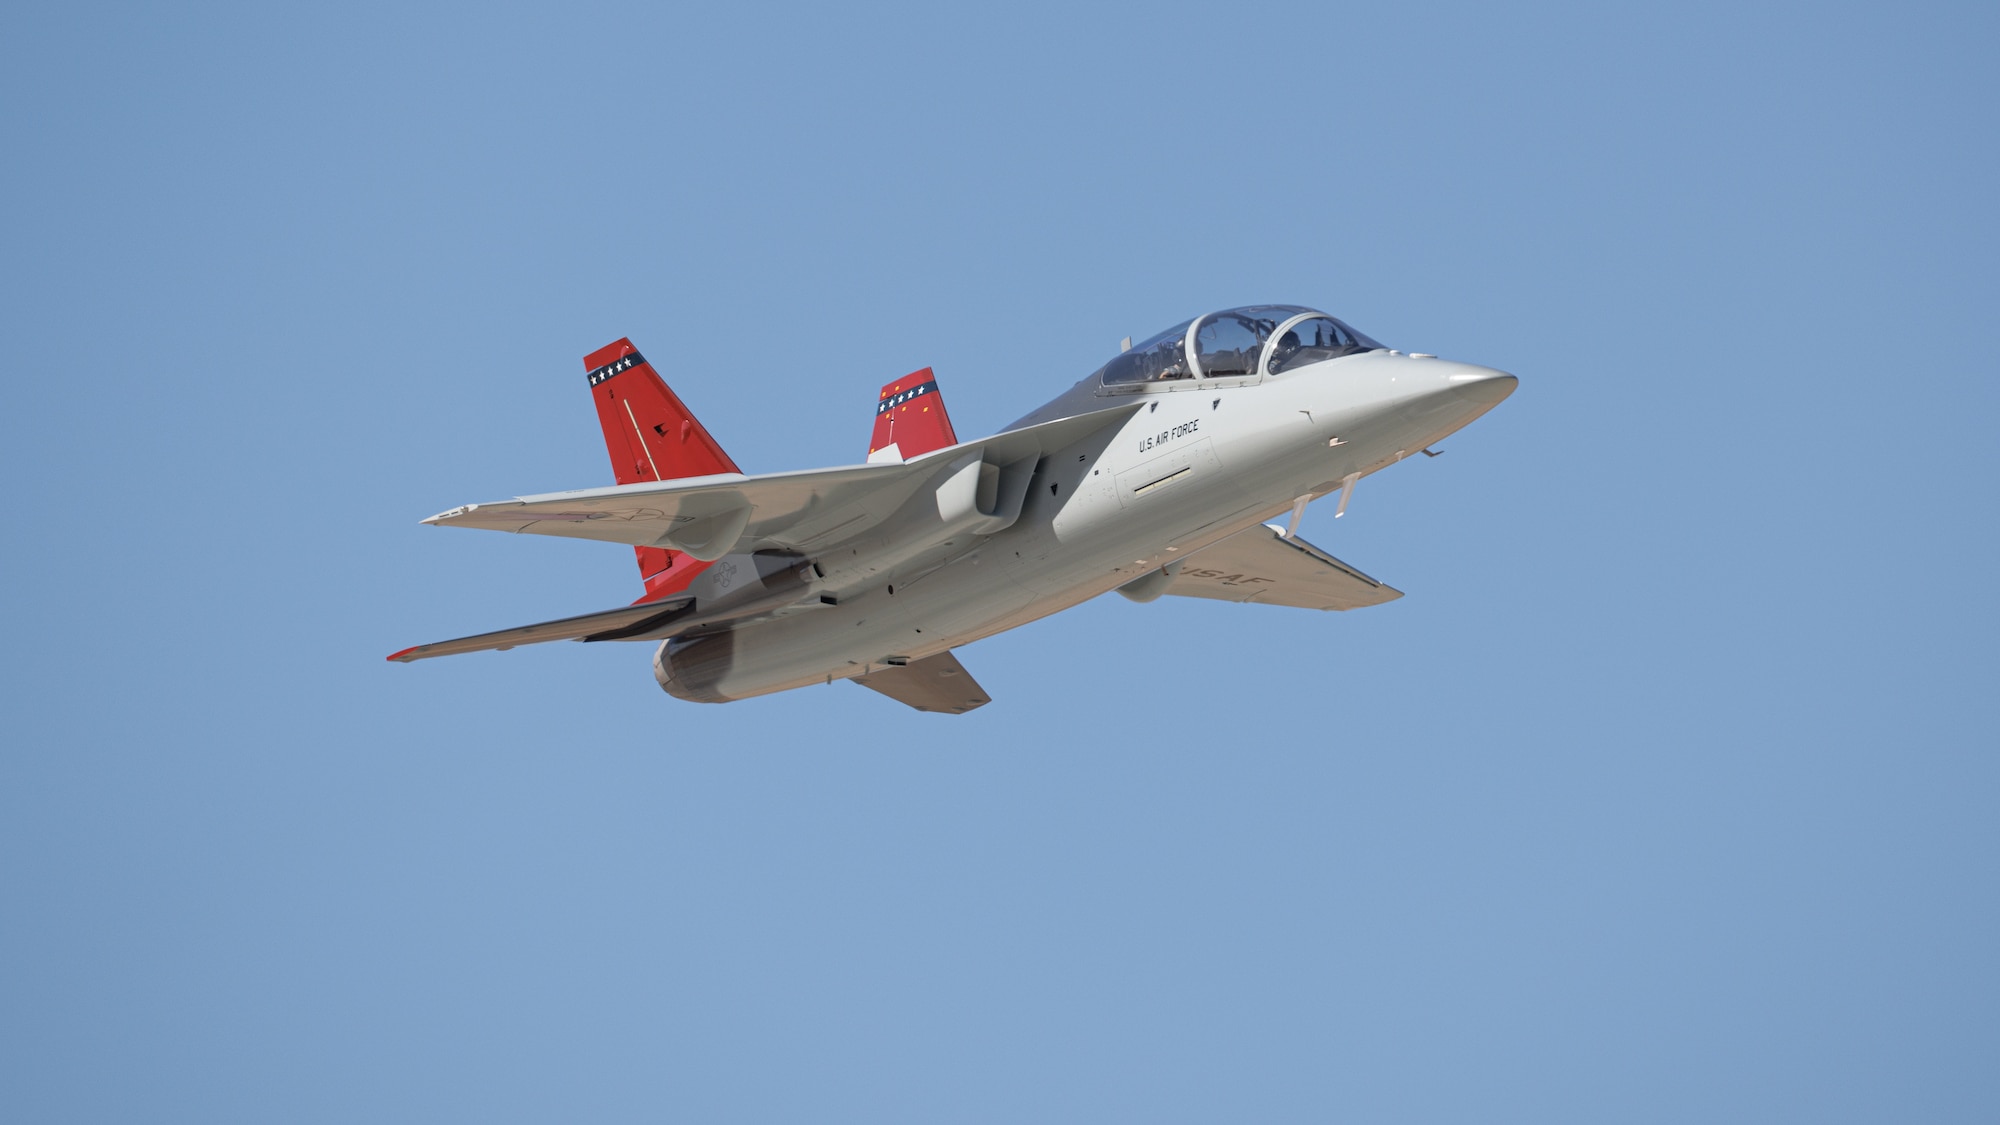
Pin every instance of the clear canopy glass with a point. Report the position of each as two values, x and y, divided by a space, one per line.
1162 356
1311 341
1232 344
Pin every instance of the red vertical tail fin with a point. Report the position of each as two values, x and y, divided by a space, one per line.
650 436
910 420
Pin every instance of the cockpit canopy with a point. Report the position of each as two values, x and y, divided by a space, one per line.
1236 343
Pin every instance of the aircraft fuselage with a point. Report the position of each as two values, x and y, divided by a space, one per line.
1196 462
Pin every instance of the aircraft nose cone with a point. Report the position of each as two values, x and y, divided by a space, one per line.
1481 385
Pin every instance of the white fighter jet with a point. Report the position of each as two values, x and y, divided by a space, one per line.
1153 476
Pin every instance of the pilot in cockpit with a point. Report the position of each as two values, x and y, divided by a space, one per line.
1284 349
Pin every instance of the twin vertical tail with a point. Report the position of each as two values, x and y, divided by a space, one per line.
651 436
910 420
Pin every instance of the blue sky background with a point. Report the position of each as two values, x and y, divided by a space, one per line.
1667 794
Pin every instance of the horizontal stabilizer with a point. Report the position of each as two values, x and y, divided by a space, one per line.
632 621
935 683
1261 565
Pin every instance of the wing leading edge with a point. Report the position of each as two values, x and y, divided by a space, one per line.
707 517
1261 565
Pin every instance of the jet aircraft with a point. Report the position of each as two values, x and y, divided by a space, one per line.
1155 475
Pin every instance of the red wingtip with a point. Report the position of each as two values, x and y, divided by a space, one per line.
404 656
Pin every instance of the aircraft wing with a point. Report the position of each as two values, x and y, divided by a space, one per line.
935 683
1261 565
803 511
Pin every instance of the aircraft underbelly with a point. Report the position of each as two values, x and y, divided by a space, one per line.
940 611
1016 577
